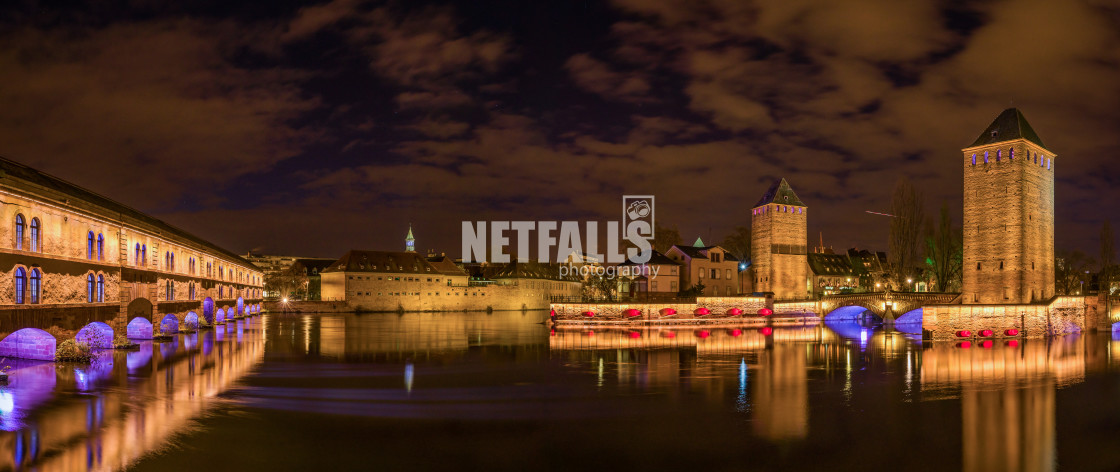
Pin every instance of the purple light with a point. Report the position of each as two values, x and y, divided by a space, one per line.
169 324
28 343
139 328
97 335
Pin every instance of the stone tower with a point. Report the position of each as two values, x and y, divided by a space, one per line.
779 262
409 241
1008 215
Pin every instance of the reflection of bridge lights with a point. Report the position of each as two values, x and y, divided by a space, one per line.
766 331
7 402
703 334
986 344
408 376
964 344
635 335
735 332
1013 343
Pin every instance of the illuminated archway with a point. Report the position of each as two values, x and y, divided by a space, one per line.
139 328
97 335
28 343
169 324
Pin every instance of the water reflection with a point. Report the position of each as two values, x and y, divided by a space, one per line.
132 403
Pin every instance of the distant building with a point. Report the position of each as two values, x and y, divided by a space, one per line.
711 266
1008 214
407 281
309 270
409 241
778 243
661 276
832 274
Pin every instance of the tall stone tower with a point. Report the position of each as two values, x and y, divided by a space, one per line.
1008 215
779 262
409 241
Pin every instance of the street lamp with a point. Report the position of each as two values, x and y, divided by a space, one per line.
909 284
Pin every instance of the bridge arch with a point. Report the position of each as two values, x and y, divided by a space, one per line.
141 307
191 321
28 343
139 328
240 306
208 310
852 313
169 324
97 335
220 316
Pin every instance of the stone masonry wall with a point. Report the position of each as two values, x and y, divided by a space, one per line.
1008 224
718 306
785 275
1064 315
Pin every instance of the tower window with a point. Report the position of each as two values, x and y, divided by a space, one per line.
977 266
973 159
1048 162
1000 265
985 157
1011 154
999 154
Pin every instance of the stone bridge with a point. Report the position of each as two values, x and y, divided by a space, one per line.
885 305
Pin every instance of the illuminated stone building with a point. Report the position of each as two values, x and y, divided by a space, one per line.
72 257
779 261
1008 214
408 281
712 266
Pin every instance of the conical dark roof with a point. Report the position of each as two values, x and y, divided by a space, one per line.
1009 125
780 192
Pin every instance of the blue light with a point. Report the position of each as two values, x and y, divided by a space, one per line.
7 402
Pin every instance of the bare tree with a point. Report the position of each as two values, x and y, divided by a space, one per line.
905 231
665 237
943 253
1108 255
1071 272
738 243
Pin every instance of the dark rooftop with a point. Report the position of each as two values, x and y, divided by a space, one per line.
780 192
1009 125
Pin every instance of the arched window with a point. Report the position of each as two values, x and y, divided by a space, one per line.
21 284
19 232
101 247
143 255
89 246
36 237
221 291
137 254
170 290
190 291
1048 163
171 266
1011 154
999 154
985 157
100 288
36 285
90 288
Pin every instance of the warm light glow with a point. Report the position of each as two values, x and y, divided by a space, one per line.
284 300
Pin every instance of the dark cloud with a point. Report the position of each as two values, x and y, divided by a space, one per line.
316 129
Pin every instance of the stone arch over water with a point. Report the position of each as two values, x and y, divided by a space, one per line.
28 343
169 324
852 313
139 328
191 321
208 310
97 335
240 306
220 316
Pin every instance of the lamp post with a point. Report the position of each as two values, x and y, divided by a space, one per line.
910 284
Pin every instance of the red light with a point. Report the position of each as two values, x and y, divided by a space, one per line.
736 332
552 332
633 312
766 331
590 333
986 344
703 334
635 335
964 334
1013 343
965 345
1012 332
589 314
987 333
734 312
702 311
765 312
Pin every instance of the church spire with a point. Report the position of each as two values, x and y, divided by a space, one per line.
409 241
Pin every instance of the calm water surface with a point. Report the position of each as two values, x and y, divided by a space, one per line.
501 392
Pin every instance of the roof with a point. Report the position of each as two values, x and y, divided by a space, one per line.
14 170
389 261
699 242
529 270
694 252
656 258
780 192
312 266
1009 125
830 264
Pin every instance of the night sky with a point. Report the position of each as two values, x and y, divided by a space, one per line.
312 128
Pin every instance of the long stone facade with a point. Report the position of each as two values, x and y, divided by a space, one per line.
70 257
779 261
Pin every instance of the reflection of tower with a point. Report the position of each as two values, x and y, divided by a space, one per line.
1008 214
779 263
781 394
409 241
1009 429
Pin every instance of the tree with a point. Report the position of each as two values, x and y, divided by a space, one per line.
944 252
738 243
665 237
286 283
905 230
1070 272
599 286
1108 255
